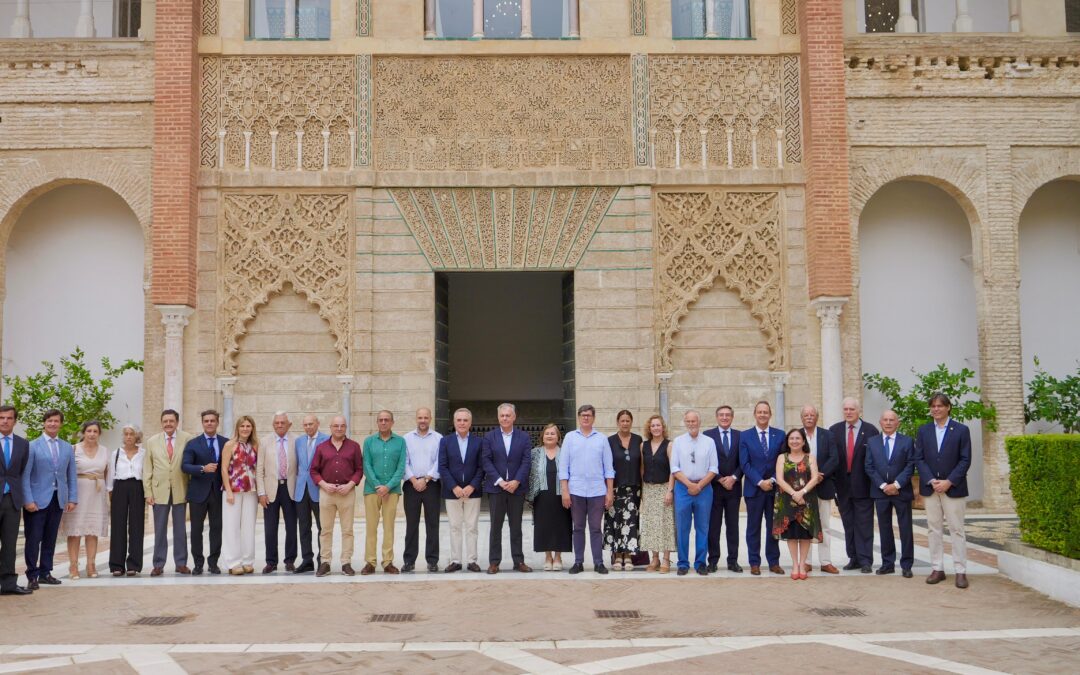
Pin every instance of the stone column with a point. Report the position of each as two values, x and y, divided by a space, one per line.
20 25
780 381
290 19
710 19
429 19
963 23
478 18
1014 16
85 26
346 382
832 371
573 29
226 385
174 317
906 22
665 402
526 18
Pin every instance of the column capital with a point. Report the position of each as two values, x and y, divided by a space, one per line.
779 379
346 382
828 310
664 378
174 317
226 385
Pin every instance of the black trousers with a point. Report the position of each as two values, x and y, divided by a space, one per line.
42 527
857 514
725 511
127 520
502 505
282 503
307 511
902 507
199 512
9 535
428 500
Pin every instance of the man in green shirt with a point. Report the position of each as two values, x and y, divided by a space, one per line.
384 466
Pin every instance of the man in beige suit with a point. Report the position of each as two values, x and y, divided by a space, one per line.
165 485
275 478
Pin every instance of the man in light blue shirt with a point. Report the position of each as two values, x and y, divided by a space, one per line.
421 491
694 465
588 485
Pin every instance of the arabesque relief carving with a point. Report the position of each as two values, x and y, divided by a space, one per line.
269 240
720 234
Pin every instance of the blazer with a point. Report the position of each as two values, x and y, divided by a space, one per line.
729 463
828 461
856 483
498 464
266 466
951 461
11 473
758 465
201 486
304 484
538 473
41 479
899 469
162 478
455 473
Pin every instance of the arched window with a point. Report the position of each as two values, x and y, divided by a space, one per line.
710 19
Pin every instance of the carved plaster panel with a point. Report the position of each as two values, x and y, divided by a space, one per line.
209 17
503 228
269 240
789 17
733 236
476 112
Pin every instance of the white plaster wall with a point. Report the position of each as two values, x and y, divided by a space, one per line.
1050 282
74 276
917 293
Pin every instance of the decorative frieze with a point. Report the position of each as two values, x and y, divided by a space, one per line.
789 17
208 17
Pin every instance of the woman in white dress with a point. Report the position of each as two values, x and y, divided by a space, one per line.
90 518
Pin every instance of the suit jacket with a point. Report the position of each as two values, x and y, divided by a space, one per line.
498 464
854 483
304 484
757 463
728 463
11 473
883 470
161 477
828 461
455 473
266 466
951 461
41 479
201 486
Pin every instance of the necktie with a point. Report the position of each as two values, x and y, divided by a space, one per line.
310 447
281 459
212 447
55 453
727 442
7 459
764 443
888 450
850 446
169 446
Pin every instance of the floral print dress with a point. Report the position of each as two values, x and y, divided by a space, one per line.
791 520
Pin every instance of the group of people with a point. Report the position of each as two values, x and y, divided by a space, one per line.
634 495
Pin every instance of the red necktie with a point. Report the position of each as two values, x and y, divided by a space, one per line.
850 446
169 447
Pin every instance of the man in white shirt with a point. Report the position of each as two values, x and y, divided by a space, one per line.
421 492
694 465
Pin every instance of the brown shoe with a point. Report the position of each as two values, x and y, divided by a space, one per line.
961 581
936 577
347 570
522 567
324 570
368 569
156 572
776 569
390 569
829 569
493 568
453 567
269 569
807 567
183 569
290 567
755 570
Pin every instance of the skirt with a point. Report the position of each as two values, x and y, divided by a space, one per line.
552 526
91 515
621 522
657 519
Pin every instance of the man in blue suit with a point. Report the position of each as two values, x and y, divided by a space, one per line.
506 455
758 449
47 482
306 494
13 457
461 478
943 457
890 463
726 490
202 455
853 486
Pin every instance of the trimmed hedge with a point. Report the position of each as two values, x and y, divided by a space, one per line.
1044 474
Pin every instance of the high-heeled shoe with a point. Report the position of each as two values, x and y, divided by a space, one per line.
802 575
794 576
91 572
73 572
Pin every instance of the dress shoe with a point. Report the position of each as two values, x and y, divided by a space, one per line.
473 567
807 567
936 577
248 569
522 567
408 567
347 570
493 568
290 567
600 569
214 569
885 570
852 565
16 590
683 571
702 570
196 571
776 569
269 569
133 573
32 585
830 569
907 574
183 569
368 569
961 580
118 573
324 570
237 571
390 569
304 568
156 572
49 579
453 567
755 570
735 567
713 568
433 567
866 569
577 568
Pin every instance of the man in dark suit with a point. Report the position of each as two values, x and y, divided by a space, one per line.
461 477
820 444
727 490
943 457
853 486
12 462
758 448
890 463
202 455
506 455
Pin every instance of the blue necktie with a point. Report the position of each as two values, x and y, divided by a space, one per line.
55 453
212 447
888 451
727 443
764 443
7 459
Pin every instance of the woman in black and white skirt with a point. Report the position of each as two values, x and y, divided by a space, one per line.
621 521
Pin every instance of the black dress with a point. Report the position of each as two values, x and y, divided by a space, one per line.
552 527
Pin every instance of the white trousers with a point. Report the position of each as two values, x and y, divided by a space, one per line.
238 530
825 516
942 509
464 515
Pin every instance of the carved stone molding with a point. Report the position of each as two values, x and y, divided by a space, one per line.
503 228
208 18
789 17
363 110
1034 167
363 18
733 236
637 17
640 68
512 112
269 240
959 171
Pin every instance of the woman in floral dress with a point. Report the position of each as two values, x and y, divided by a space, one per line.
238 459
796 513
622 520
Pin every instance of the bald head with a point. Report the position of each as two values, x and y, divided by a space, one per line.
338 426
311 425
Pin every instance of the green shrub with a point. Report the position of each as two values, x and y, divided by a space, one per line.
1044 474
1054 400
913 406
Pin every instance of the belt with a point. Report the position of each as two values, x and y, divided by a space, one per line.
127 480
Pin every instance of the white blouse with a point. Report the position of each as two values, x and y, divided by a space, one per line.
122 468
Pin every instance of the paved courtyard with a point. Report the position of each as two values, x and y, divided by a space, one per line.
544 622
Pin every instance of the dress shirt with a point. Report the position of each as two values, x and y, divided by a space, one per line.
811 441
586 463
124 468
507 437
463 445
422 455
337 467
694 457
889 443
940 431
384 462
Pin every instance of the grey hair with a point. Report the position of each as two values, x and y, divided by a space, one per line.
134 428
281 413
511 406
463 410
